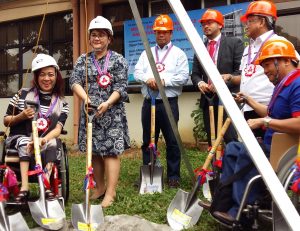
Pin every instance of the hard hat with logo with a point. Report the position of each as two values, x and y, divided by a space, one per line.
277 48
264 8
163 22
100 23
213 15
43 60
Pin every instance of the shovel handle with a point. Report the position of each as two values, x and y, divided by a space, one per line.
152 134
216 144
212 124
36 143
220 123
89 147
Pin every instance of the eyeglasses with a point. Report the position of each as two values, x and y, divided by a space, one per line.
49 74
251 20
99 36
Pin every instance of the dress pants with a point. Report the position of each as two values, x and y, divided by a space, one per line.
162 124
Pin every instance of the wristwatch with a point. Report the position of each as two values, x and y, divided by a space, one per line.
267 121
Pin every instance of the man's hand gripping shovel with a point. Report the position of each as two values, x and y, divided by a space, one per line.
48 214
87 217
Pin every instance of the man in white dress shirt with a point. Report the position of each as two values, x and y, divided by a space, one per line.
172 65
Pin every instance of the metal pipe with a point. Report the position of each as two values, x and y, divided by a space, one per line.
259 158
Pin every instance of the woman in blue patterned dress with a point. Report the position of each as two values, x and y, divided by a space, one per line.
107 87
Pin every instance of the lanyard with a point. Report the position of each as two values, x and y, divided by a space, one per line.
104 70
216 50
165 56
278 89
50 110
258 52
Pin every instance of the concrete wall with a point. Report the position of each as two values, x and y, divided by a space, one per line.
186 105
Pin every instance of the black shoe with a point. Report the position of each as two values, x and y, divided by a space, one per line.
224 217
49 195
205 204
173 183
22 197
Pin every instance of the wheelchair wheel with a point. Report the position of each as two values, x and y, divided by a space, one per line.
286 174
64 173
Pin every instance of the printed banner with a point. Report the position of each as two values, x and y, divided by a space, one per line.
134 45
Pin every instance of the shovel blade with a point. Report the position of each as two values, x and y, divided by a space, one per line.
179 219
48 214
17 222
145 180
80 219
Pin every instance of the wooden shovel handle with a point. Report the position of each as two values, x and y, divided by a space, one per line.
217 142
212 124
36 143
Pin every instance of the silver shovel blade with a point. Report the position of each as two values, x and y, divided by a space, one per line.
145 178
179 219
17 222
47 214
80 219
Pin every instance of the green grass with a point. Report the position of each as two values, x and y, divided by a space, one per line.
129 201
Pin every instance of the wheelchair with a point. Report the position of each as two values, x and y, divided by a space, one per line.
59 179
264 210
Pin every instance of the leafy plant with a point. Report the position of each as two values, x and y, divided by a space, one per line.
198 130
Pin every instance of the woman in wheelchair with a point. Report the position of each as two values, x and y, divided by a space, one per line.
279 60
52 112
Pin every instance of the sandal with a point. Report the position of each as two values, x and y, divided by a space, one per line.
49 195
22 197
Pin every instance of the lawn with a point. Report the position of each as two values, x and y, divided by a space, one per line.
151 207
129 201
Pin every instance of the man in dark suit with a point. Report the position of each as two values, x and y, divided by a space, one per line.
226 53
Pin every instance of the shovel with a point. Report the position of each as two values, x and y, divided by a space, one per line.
184 210
11 222
87 217
209 185
151 175
46 213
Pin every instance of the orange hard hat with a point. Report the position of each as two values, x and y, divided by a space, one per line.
276 48
213 15
264 8
163 22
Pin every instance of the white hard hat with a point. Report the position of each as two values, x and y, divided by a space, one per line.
100 23
43 60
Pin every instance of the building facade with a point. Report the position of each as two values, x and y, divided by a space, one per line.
60 28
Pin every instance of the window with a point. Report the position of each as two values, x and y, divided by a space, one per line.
117 13
209 3
285 27
17 43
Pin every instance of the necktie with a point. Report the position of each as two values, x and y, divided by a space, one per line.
211 51
211 48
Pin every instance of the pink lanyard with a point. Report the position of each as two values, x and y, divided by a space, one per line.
165 56
104 70
278 89
52 105
249 49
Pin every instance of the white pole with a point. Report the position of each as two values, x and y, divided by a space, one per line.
261 162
